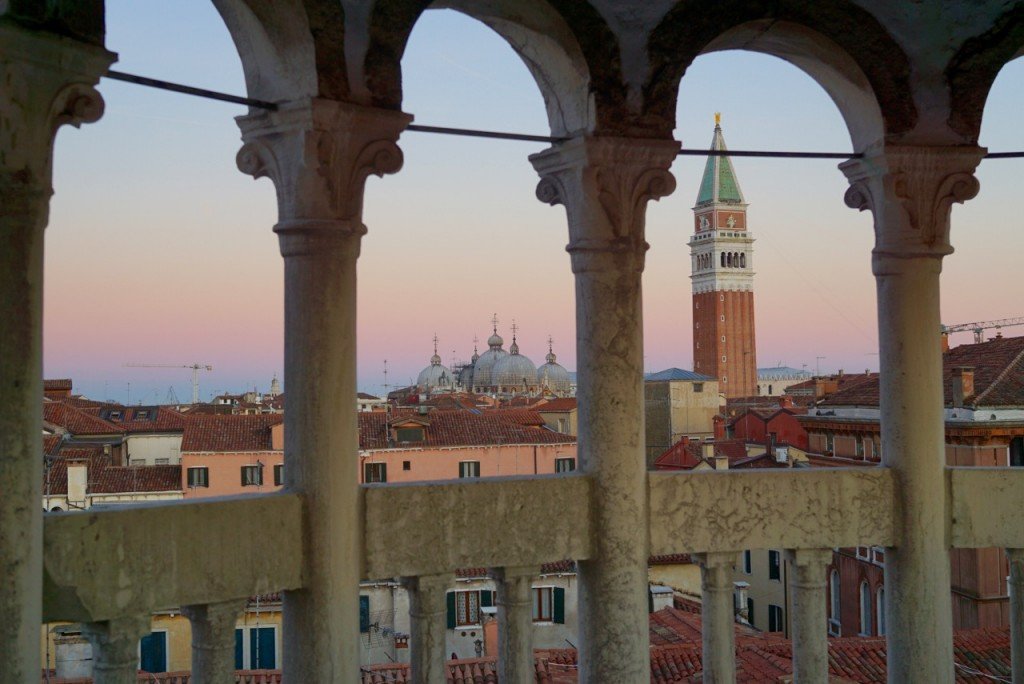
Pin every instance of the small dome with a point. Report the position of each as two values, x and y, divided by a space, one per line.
435 375
495 341
514 370
552 376
484 364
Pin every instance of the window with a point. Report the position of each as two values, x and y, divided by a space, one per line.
410 434
698 387
563 425
880 610
775 618
723 359
860 447
830 442
565 465
278 475
375 472
406 465
252 475
153 652
464 607
775 565
865 609
138 461
863 553
162 461
833 590
750 610
364 613
262 648
549 605
199 477
1017 452
746 562
469 469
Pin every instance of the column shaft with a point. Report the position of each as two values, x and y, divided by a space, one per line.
115 649
1016 558
515 624
718 636
809 614
213 640
427 612
605 184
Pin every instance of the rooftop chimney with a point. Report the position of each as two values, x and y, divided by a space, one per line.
707 450
78 478
945 342
963 384
721 462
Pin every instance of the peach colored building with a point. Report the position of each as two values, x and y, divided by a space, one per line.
224 455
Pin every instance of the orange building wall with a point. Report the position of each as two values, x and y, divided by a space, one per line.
225 474
737 376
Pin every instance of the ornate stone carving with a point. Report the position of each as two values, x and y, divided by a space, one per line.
910 191
605 184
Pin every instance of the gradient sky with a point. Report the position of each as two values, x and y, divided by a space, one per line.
160 251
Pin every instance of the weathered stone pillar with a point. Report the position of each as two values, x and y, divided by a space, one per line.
427 614
45 82
910 191
718 636
810 614
213 640
319 154
515 624
115 648
1016 558
605 184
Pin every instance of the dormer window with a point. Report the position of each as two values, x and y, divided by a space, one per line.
115 415
409 434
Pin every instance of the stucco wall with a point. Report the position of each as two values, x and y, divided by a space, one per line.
151 448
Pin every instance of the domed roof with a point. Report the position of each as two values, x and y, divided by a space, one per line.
434 375
482 367
514 370
552 376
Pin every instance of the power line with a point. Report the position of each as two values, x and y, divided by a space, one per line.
496 135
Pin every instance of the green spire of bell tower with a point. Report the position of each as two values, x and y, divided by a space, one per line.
719 185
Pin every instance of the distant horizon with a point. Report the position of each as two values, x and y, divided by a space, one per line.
160 251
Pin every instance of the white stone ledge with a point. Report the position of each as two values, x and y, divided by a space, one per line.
711 511
117 562
986 507
437 527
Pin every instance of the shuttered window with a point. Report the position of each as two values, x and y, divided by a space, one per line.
278 475
252 475
775 565
199 477
464 607
375 472
364 613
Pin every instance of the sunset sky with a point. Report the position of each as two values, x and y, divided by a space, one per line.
160 251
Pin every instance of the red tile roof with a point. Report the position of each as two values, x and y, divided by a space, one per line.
559 405
142 419
76 421
227 433
104 478
57 385
461 428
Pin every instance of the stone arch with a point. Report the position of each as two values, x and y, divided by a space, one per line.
567 46
973 69
841 46
290 49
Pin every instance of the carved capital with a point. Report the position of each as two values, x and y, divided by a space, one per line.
605 185
319 153
911 190
115 644
45 83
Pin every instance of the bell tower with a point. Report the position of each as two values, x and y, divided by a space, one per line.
721 251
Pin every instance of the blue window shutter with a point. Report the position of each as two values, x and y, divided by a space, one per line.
558 609
364 613
238 650
486 599
153 652
261 648
451 610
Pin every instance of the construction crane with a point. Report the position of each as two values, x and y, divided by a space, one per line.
195 367
978 327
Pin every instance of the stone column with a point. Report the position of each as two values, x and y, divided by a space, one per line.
718 636
213 640
115 648
605 184
515 624
319 154
1016 558
428 626
910 191
810 614
46 82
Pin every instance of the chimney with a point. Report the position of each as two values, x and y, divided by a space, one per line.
840 372
786 401
707 450
721 462
782 454
945 342
963 384
78 478
739 595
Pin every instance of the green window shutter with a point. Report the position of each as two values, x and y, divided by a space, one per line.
243 475
238 649
486 599
650 600
364 613
558 611
451 610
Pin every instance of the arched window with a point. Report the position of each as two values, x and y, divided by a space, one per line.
833 591
866 603
880 610
723 259
728 260
743 260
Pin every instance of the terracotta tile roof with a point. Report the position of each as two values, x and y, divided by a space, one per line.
76 421
557 567
51 443
78 401
998 376
671 626
104 478
141 419
461 428
364 395
57 385
561 404
680 456
227 433
670 559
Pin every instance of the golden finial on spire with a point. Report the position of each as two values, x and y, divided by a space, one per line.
718 118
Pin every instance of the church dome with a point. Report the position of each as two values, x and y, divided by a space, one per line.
552 376
483 366
435 375
514 370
